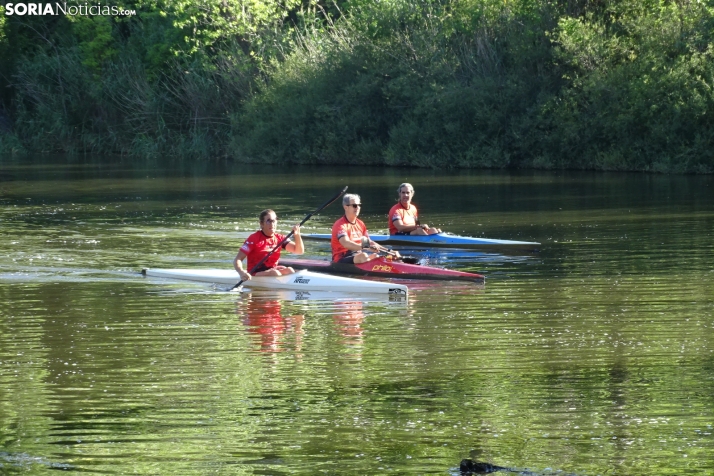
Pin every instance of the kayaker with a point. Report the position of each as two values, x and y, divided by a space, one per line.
404 218
350 240
261 242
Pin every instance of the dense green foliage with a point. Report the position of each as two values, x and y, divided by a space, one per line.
593 84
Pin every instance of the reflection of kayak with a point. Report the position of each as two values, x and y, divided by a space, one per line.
300 281
331 296
440 240
384 268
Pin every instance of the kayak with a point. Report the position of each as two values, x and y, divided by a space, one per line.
301 281
383 267
439 240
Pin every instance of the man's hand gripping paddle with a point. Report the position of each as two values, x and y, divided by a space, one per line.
382 251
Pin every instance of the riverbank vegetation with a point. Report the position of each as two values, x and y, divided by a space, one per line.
550 84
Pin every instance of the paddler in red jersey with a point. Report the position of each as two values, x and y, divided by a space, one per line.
404 218
350 239
261 242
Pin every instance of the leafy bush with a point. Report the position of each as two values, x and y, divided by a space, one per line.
583 84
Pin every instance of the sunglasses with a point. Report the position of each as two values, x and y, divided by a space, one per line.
270 220
354 205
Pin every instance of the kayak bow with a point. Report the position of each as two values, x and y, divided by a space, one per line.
384 268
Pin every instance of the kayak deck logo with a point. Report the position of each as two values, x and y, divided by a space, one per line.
382 267
61 8
300 280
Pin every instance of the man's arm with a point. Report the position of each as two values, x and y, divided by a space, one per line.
402 228
350 245
297 246
238 265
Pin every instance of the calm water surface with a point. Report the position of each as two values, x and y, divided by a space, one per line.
594 356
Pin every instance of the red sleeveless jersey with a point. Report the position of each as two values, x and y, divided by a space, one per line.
258 245
408 217
354 231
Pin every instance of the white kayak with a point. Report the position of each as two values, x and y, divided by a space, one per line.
299 281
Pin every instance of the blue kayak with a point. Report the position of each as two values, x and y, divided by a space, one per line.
442 240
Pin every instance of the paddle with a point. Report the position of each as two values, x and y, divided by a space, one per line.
388 251
307 217
403 258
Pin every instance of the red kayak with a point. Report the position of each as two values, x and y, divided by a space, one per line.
383 267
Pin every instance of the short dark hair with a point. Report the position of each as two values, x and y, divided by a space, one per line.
264 214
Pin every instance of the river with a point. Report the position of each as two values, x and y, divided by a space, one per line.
593 356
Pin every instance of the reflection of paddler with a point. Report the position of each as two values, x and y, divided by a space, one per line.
263 317
349 320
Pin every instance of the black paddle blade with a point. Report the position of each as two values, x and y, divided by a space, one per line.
409 259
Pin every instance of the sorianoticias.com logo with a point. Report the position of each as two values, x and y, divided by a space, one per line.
57 8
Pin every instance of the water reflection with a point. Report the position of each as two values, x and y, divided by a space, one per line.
266 320
324 298
348 317
22 462
277 320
